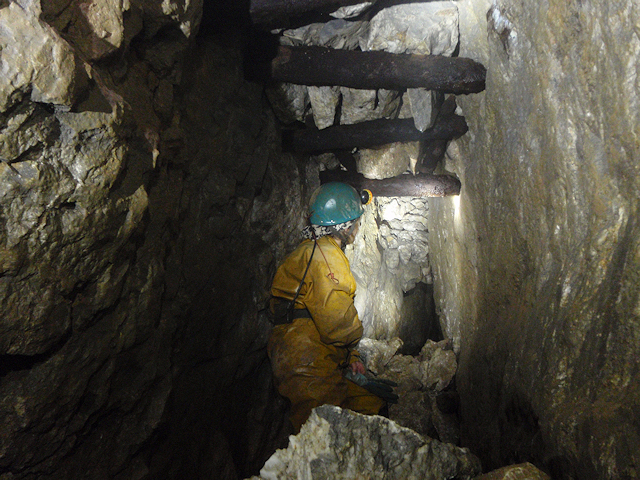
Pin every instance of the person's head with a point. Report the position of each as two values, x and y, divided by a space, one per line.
335 209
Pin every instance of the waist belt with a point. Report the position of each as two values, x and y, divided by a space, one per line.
291 315
300 313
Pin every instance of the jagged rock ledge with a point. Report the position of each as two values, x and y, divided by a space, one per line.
340 444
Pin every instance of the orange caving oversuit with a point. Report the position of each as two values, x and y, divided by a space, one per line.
309 354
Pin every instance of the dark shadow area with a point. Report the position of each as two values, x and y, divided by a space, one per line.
226 14
18 363
419 319
261 49
223 417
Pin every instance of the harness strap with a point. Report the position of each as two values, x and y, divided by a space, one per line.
291 312
315 242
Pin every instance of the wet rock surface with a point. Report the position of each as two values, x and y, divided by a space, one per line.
536 263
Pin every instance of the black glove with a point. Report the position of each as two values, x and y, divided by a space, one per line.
379 387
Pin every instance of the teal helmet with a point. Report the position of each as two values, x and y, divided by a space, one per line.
335 203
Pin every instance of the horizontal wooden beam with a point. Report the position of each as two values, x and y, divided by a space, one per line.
280 12
371 70
370 134
268 11
400 186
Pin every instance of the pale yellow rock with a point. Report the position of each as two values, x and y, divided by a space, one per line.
106 19
35 60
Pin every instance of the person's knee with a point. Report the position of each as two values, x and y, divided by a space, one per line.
366 404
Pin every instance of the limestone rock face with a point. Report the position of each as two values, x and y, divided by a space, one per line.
536 263
389 258
427 28
78 307
341 34
388 160
422 28
99 29
341 444
352 10
27 43
49 249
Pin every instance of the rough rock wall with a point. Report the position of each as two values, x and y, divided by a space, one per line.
243 210
136 192
85 365
390 262
341 444
536 264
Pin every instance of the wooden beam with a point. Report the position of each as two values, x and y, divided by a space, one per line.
280 13
400 186
432 152
374 70
268 11
346 159
370 134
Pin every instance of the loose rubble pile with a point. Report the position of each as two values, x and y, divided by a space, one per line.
417 441
428 402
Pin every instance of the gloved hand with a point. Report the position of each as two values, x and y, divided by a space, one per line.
378 386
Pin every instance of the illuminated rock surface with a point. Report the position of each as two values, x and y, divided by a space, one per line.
390 261
536 265
340 444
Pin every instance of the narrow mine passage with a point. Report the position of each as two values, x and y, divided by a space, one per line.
510 294
158 163
389 143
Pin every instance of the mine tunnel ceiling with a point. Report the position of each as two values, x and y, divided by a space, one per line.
320 66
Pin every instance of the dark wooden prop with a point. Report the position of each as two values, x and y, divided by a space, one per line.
346 159
373 70
370 134
400 186
268 11
432 152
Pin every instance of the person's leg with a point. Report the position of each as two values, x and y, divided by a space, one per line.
309 388
304 371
